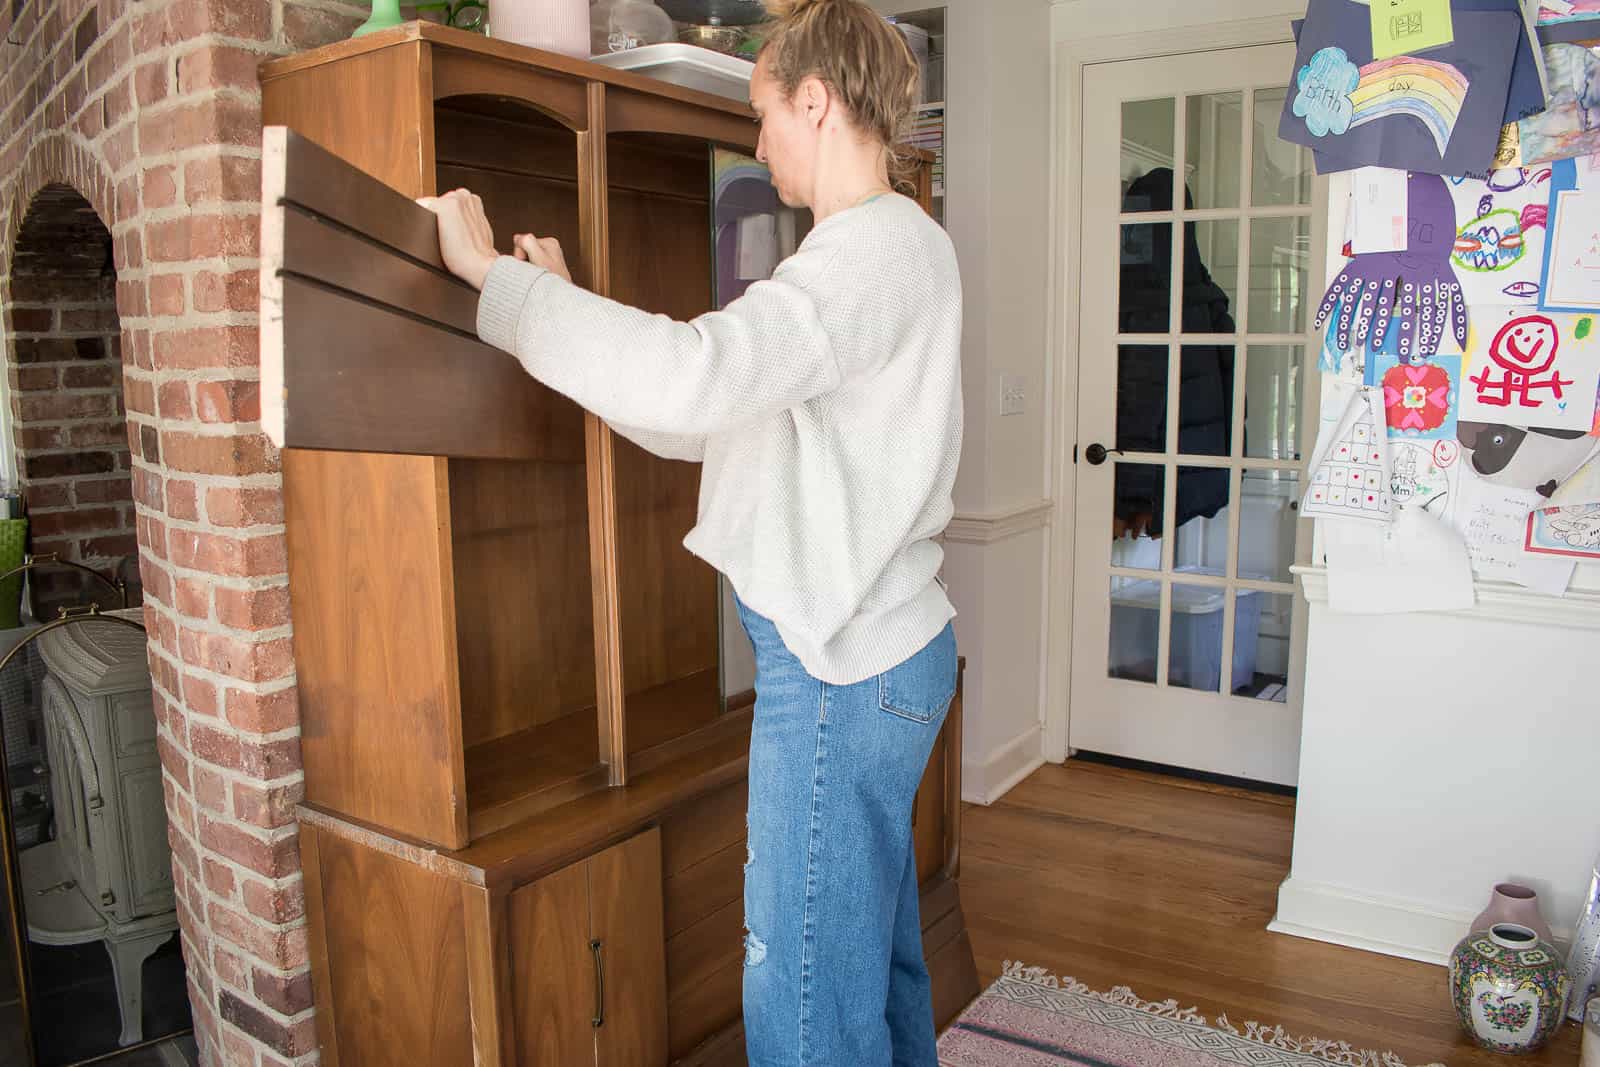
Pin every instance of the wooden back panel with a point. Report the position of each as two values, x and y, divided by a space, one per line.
660 192
370 577
525 612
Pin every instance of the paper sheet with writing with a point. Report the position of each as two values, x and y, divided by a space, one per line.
1377 211
1573 281
1416 564
1493 520
1406 26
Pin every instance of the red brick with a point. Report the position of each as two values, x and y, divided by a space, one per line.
131 299
175 405
165 293
91 376
214 746
219 454
271 760
117 104
150 82
202 237
32 320
211 120
270 808
40 438
157 583
231 970
222 179
211 791
219 878
226 18
105 491
128 197
228 401
232 507
263 714
59 406
235 557
39 496
139 395
281 904
153 536
179 811
265 857
35 379
273 947
218 67
194 600
238 291
118 148
82 520
183 501
98 435
201 696
253 609
89 320
176 763
286 995
183 850
309 27
206 348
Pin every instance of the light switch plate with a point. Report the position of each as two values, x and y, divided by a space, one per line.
1013 394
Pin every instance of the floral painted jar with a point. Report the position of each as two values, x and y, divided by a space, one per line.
1509 988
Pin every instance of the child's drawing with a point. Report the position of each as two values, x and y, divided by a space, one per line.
1420 398
1500 234
1570 124
1572 531
1532 370
1350 469
1423 474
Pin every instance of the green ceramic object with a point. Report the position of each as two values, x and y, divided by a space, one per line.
1509 988
385 15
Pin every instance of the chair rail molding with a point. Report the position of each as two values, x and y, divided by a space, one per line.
992 527
1497 602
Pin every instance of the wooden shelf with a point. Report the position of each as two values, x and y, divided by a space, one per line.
511 777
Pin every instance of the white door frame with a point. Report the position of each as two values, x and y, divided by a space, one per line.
1071 56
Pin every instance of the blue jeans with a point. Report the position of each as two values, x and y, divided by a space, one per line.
834 974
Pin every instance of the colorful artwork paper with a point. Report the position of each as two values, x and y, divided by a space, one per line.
1571 532
1572 280
1420 398
1501 227
1531 369
1350 468
1405 27
1570 124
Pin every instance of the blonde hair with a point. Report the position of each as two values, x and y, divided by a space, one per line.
860 57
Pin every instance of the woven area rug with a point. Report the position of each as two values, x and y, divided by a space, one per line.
1031 1019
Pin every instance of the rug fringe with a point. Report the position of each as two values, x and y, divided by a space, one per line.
1341 1053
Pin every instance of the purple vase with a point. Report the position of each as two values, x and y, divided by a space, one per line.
1512 903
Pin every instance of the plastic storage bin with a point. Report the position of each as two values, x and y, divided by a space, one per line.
688 66
1196 640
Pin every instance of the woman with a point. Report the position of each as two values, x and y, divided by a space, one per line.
825 405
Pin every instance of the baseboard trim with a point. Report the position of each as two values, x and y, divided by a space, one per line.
1386 925
986 782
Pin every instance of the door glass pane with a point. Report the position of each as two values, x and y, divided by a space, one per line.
1195 656
1272 402
1261 645
1202 521
1136 521
1135 628
1280 171
1210 276
1280 251
1148 128
1145 301
1205 401
1215 129
1142 398
1270 502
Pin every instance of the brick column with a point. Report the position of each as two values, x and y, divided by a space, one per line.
150 109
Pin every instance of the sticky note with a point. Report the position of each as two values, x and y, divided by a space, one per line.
1405 27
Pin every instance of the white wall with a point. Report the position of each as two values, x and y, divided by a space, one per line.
997 204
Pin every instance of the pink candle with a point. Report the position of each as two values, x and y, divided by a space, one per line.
555 25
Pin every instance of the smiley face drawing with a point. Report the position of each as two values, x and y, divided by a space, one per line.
1524 348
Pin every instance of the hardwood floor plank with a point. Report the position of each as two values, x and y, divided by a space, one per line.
1118 877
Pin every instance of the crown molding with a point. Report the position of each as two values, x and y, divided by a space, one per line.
1497 602
976 529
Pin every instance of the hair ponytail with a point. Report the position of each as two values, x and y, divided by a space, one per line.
860 57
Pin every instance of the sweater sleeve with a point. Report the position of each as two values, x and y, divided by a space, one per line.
691 448
764 352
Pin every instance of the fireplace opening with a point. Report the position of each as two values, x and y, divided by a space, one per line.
93 957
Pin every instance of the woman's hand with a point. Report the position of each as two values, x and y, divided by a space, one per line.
466 240
542 252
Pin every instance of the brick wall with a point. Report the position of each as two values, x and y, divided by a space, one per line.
150 111
67 418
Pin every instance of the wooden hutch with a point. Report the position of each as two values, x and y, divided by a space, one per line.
525 725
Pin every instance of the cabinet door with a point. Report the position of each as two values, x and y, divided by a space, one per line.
552 970
626 921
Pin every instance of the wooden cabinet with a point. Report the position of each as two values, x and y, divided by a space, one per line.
600 918
512 675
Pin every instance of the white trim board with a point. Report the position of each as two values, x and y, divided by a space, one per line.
1497 602
999 526
1392 927
1002 770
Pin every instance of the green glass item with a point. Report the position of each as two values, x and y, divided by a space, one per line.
461 14
385 15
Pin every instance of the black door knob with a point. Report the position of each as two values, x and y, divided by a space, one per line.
1095 454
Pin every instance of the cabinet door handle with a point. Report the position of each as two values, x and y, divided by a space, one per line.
599 1019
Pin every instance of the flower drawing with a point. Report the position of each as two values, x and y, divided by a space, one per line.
1416 396
1505 1013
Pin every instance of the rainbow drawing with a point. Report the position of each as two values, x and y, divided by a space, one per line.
1431 92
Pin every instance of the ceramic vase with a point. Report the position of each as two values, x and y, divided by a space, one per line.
1512 903
385 14
554 25
1509 988
1583 964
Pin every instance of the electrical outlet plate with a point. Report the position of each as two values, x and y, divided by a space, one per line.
1013 394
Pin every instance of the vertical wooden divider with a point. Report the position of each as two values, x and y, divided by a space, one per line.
600 453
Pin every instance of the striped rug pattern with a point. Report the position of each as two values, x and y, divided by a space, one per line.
1031 1019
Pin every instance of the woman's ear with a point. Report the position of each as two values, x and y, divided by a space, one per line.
813 99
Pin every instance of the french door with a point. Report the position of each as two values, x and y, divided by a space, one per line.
1193 432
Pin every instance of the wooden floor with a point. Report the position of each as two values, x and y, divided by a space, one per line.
1120 878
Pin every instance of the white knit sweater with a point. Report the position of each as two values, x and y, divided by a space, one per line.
825 405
